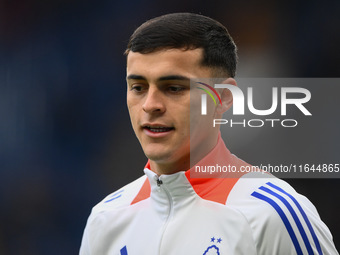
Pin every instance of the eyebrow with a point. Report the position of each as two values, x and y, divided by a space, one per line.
163 78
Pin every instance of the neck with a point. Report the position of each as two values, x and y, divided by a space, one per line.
169 168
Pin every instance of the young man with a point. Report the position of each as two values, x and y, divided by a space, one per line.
168 212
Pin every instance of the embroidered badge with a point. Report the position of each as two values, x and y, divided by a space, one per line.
213 249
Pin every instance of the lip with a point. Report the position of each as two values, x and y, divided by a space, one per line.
152 134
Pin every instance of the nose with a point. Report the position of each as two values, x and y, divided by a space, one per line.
154 102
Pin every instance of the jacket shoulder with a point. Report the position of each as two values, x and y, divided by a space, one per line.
121 197
282 220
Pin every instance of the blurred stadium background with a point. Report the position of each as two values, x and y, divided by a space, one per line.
65 135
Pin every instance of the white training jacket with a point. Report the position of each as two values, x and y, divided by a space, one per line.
178 215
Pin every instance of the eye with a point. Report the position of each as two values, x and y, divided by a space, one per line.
175 88
137 87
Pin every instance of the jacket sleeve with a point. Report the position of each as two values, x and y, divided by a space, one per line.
85 246
282 221
297 230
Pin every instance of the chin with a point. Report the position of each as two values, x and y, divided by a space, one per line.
157 157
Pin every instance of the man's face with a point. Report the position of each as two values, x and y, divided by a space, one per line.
158 99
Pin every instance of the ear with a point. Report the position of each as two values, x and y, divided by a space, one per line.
226 97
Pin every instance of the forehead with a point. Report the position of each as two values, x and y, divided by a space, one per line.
164 62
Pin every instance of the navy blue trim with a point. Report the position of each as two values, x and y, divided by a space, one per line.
123 251
315 238
283 218
114 196
296 218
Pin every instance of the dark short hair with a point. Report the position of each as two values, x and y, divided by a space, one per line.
188 31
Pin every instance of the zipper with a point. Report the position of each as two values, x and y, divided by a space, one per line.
166 191
159 182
